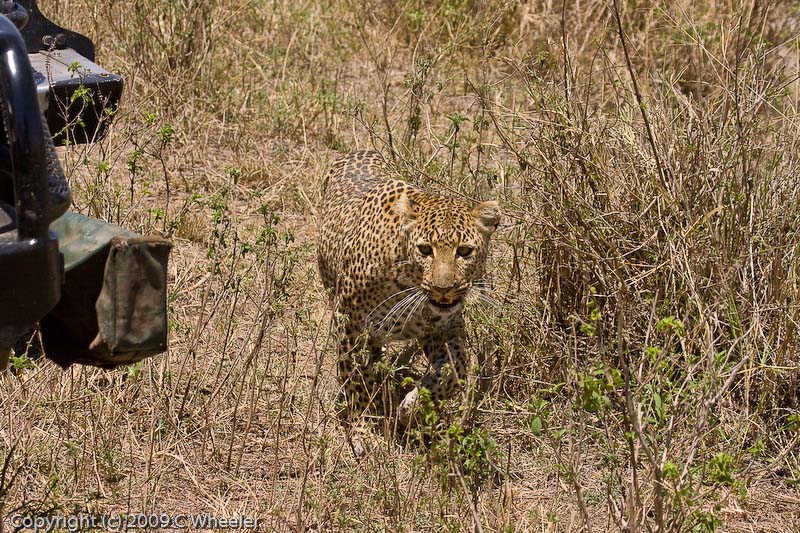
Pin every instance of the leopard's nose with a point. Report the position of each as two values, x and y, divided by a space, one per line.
442 276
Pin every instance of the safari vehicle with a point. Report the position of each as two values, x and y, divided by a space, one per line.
96 291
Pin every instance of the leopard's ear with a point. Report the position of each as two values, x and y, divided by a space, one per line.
487 216
407 208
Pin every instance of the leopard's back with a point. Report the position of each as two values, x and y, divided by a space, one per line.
358 235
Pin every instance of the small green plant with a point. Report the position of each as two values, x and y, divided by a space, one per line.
597 386
21 362
165 134
793 423
670 324
705 522
721 468
474 454
134 371
537 420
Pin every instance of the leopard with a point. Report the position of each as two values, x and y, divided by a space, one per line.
397 262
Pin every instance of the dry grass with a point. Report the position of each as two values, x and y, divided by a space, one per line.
640 371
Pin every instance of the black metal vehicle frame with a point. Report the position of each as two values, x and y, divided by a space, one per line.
30 269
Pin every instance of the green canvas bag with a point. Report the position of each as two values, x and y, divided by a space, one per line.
113 301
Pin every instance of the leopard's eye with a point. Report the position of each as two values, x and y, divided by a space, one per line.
425 249
464 251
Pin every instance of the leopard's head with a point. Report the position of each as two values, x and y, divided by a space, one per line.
446 244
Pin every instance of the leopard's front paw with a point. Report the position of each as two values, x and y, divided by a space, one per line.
409 407
358 444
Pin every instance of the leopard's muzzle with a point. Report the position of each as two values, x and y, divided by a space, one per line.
445 298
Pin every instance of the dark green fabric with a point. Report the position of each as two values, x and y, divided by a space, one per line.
80 237
113 305
131 308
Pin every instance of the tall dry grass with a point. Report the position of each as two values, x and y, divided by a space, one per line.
638 369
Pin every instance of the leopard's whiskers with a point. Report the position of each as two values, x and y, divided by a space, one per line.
406 300
400 307
483 297
393 295
409 308
483 293
413 310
